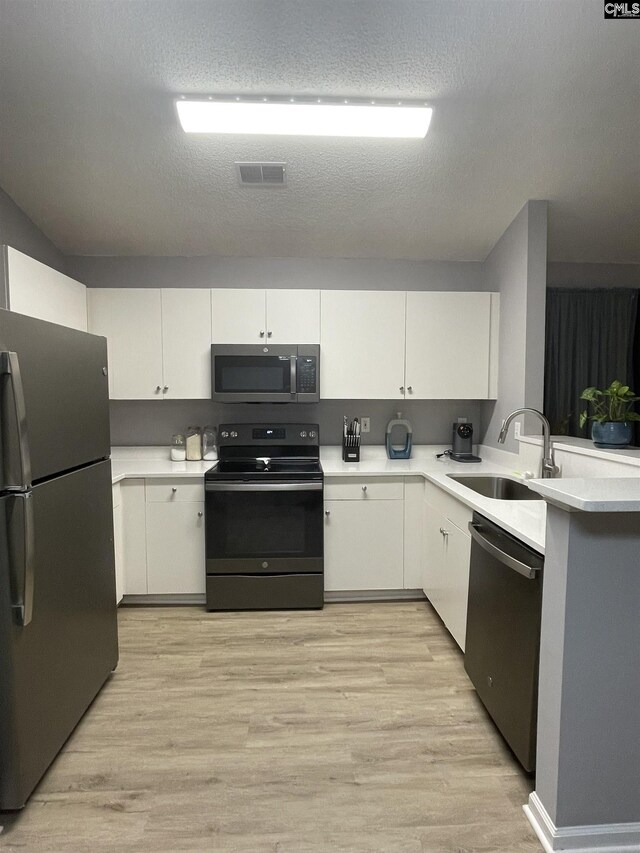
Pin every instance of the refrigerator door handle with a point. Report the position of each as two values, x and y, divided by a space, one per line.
22 555
10 368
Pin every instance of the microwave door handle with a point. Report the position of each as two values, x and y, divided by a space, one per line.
10 371
294 374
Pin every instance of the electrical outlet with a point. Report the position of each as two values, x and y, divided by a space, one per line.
366 424
516 429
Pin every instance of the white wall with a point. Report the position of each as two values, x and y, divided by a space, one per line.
516 267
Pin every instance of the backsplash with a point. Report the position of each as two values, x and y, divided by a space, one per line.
150 422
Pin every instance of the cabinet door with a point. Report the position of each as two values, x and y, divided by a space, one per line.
186 343
175 548
293 316
413 532
131 321
453 607
238 316
363 545
434 567
362 344
134 543
448 345
117 547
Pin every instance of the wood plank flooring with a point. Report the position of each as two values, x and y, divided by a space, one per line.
349 730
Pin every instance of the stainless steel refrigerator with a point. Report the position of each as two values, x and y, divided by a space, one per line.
58 629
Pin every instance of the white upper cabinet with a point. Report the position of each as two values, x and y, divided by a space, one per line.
362 344
293 316
131 320
39 291
246 316
159 341
451 350
238 316
186 344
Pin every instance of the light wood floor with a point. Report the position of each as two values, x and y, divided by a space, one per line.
353 729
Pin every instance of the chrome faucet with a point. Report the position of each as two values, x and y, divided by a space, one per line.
549 467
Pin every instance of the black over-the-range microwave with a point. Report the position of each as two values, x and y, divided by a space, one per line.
257 373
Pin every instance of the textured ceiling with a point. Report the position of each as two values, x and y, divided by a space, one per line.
533 99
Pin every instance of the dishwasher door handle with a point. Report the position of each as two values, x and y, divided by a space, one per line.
481 538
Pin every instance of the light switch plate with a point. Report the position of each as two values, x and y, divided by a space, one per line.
366 424
516 429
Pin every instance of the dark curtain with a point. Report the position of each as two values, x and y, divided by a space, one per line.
590 340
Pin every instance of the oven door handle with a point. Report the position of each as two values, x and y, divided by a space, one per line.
263 487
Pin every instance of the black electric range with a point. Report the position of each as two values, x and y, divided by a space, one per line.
264 519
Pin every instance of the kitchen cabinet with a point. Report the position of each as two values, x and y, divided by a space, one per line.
446 562
158 341
451 345
413 532
175 537
134 541
117 541
253 316
362 336
39 291
364 530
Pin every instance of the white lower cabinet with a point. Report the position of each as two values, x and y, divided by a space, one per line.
446 564
364 534
175 547
117 541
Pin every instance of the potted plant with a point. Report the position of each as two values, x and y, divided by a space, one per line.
611 414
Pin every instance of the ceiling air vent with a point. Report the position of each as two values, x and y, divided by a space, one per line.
262 174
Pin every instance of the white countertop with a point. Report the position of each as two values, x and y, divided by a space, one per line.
601 494
524 519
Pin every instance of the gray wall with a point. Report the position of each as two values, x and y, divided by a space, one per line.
17 230
517 267
320 273
593 275
147 422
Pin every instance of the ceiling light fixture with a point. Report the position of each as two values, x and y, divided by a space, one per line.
305 117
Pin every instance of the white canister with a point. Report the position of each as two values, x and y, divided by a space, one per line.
178 448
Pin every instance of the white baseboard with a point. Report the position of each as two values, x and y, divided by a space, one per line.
599 838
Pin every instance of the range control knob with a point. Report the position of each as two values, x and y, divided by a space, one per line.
265 565
234 434
224 433
303 433
313 434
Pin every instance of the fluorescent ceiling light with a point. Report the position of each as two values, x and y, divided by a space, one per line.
296 118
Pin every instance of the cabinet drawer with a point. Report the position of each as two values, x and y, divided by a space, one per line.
363 488
174 490
457 512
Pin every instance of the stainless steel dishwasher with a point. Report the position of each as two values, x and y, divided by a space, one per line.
503 633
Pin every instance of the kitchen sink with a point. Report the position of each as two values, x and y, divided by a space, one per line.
499 488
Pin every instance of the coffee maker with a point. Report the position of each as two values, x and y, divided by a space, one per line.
462 444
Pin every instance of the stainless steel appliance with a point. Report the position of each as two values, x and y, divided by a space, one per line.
58 630
264 519
257 373
503 633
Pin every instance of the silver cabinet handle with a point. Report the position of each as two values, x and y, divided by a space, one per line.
166 388
20 479
401 389
200 514
444 532
269 334
364 488
327 512
174 489
158 388
410 389
262 333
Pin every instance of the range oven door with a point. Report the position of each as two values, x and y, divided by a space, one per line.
264 527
